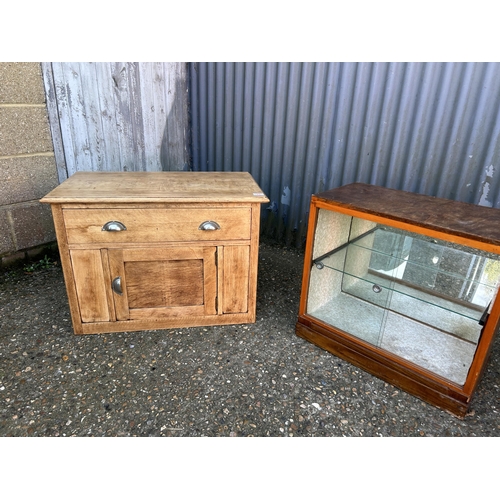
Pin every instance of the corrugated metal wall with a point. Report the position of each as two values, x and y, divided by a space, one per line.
300 128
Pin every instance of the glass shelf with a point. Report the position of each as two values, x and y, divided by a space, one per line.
382 261
420 298
387 287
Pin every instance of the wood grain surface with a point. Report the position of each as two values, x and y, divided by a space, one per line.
151 225
448 216
172 272
136 187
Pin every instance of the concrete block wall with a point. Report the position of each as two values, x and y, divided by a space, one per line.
27 163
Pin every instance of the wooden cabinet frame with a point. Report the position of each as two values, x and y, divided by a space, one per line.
187 254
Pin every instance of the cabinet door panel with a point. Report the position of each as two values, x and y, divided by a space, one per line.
170 283
236 263
90 285
159 282
117 270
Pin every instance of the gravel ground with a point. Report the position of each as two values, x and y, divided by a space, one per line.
244 380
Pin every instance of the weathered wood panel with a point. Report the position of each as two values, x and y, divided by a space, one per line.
235 291
164 283
90 285
118 116
153 225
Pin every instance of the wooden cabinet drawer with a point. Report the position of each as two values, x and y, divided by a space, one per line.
156 225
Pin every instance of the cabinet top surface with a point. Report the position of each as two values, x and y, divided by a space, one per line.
137 187
448 216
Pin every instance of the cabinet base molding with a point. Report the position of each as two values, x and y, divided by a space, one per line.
165 324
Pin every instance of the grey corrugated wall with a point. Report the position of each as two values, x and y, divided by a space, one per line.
301 128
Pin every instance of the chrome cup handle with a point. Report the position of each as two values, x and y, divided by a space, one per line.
209 225
116 285
113 225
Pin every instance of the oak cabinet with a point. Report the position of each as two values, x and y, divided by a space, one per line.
158 250
404 286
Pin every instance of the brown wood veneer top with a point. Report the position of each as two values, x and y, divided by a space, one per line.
137 187
452 217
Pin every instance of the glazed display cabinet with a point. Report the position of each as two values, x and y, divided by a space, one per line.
153 250
405 287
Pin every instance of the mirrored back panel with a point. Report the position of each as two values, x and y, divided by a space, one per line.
421 298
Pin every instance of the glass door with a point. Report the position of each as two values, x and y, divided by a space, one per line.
423 299
436 295
341 291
